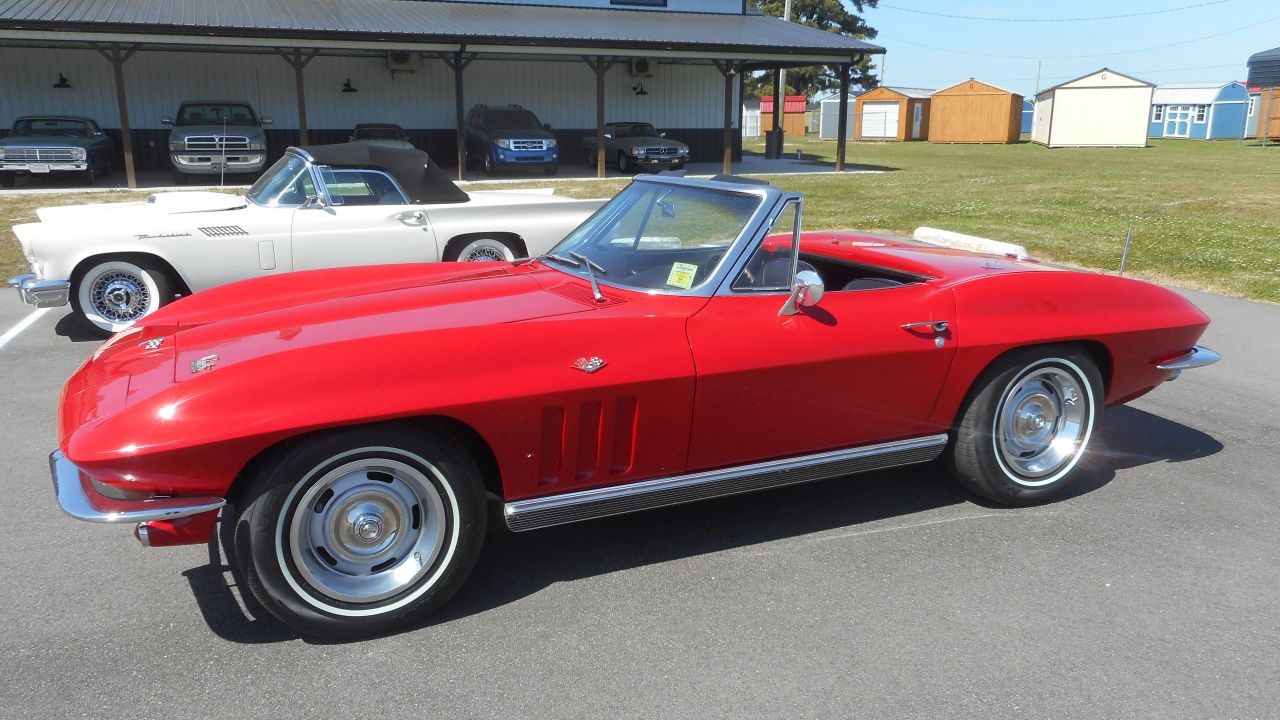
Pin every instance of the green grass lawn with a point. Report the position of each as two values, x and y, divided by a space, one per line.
1205 214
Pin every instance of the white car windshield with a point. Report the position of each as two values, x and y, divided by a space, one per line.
653 236
285 184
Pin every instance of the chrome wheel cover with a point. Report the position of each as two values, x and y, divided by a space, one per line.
1043 423
485 253
367 530
119 296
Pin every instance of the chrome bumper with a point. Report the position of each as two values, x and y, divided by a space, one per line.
1196 357
82 503
41 293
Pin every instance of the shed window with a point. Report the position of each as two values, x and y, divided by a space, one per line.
1202 111
1157 113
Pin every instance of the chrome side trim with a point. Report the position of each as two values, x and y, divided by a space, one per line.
1196 357
77 503
602 502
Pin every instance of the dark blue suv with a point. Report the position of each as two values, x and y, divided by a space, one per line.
509 137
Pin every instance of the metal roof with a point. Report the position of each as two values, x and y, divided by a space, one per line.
1187 93
738 36
914 93
1264 68
1095 72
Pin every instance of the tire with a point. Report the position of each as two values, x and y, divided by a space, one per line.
591 159
1026 424
360 531
489 168
113 294
7 179
481 250
88 176
624 165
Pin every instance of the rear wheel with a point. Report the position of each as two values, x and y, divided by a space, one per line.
114 293
360 531
481 250
1027 424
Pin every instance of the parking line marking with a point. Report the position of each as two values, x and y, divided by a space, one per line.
23 324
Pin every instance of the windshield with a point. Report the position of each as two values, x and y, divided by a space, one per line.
658 237
51 127
511 120
631 130
285 184
215 114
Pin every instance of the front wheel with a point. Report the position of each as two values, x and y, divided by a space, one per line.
490 168
114 294
1026 424
624 165
360 531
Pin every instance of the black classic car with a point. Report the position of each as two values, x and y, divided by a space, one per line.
43 144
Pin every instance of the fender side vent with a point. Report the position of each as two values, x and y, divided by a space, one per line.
223 230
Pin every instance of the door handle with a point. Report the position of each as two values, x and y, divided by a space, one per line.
417 216
937 326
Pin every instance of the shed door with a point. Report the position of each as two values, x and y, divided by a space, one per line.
880 120
1177 121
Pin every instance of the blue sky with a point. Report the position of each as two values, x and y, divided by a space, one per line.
933 52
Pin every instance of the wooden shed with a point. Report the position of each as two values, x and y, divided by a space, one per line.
794 114
975 112
892 114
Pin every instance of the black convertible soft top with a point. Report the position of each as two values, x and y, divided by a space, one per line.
421 180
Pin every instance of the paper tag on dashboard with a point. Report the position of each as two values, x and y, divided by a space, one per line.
682 275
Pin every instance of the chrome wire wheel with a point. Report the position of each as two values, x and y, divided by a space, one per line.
1043 422
120 296
368 530
485 250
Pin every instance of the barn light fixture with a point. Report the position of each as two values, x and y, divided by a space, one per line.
346 86
638 89
63 83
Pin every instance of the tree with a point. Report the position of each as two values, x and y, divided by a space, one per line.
828 15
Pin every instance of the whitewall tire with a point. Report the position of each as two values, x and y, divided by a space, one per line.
485 250
112 295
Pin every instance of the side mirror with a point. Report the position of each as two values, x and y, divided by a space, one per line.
314 202
608 136
266 121
806 291
166 120
546 126
662 134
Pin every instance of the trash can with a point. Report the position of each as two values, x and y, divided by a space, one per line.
773 144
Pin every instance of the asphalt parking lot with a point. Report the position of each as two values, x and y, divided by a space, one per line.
1150 594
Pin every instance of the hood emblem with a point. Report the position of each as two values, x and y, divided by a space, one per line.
152 344
204 363
588 365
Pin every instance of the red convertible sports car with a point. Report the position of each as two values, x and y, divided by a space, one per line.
686 342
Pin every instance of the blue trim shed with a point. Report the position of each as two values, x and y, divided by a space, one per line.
1199 111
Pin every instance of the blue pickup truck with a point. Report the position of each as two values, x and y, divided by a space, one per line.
510 136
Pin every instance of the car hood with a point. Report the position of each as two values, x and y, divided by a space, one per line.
169 203
46 141
530 134
650 141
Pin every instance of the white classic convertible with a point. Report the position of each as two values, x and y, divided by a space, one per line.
360 203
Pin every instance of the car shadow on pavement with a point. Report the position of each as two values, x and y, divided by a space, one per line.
514 566
71 327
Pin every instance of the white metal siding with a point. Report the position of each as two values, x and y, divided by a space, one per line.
880 119
1041 119
1101 117
562 93
829 119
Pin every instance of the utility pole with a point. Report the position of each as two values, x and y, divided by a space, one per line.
780 97
1037 78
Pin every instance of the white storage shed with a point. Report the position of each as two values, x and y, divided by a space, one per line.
1101 109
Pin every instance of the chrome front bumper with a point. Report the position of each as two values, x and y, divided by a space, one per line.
1196 357
41 293
79 500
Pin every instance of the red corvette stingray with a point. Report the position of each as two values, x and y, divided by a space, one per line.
686 342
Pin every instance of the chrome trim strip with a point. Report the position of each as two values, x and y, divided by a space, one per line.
602 502
1196 357
75 501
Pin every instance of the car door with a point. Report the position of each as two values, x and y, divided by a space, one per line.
842 374
362 218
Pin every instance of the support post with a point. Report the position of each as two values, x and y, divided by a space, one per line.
457 62
779 101
600 66
729 70
298 60
842 130
116 54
